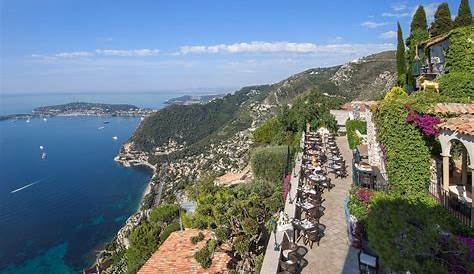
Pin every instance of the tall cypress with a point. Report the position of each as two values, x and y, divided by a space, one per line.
442 20
464 17
401 65
419 20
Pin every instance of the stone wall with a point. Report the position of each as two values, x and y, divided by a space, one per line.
373 147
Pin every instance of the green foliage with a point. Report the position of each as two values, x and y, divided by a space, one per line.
238 215
458 85
204 255
195 124
164 213
168 230
401 65
460 56
395 93
351 127
269 163
143 241
442 20
406 234
464 17
196 239
408 158
286 127
357 207
419 21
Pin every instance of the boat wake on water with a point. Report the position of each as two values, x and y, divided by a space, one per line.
27 186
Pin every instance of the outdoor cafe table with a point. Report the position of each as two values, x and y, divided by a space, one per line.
307 190
304 226
305 206
335 158
317 177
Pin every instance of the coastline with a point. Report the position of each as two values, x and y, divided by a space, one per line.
128 157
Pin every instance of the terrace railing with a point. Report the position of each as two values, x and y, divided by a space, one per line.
460 209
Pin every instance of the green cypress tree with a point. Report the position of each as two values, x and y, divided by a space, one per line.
442 20
464 17
419 20
401 65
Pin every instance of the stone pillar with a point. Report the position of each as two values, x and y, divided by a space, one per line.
464 167
445 172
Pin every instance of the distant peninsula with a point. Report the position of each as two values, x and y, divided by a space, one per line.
82 109
193 99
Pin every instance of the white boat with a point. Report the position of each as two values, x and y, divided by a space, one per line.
43 155
28 120
115 137
41 147
101 128
44 119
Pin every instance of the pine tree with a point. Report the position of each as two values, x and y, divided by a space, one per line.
419 20
464 17
401 65
442 20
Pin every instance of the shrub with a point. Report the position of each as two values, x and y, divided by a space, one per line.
269 163
395 93
164 213
458 84
204 255
168 230
196 239
359 202
143 241
351 127
406 234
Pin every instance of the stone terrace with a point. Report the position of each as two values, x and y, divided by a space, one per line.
334 254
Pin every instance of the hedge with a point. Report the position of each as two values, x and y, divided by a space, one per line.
351 127
269 163
411 234
458 84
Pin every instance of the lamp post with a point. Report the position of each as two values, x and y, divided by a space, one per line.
179 212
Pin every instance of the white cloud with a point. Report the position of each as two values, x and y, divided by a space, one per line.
399 7
135 52
388 35
282 47
395 14
98 52
372 24
73 54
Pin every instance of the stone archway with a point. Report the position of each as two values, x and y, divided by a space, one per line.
447 136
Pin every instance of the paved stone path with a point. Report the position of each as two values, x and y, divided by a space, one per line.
334 254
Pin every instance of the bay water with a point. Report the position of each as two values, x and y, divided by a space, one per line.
55 213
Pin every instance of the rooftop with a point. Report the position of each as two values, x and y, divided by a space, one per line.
454 108
463 124
176 255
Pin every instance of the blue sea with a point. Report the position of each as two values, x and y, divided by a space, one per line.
55 213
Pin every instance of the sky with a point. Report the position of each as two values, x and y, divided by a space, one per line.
63 46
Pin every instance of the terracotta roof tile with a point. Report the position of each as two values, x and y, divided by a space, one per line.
463 124
176 255
454 108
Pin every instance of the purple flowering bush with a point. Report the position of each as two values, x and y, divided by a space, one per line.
426 123
359 202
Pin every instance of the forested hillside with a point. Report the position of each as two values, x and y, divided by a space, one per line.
197 126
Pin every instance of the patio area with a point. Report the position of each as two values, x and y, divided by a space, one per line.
334 254
311 236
